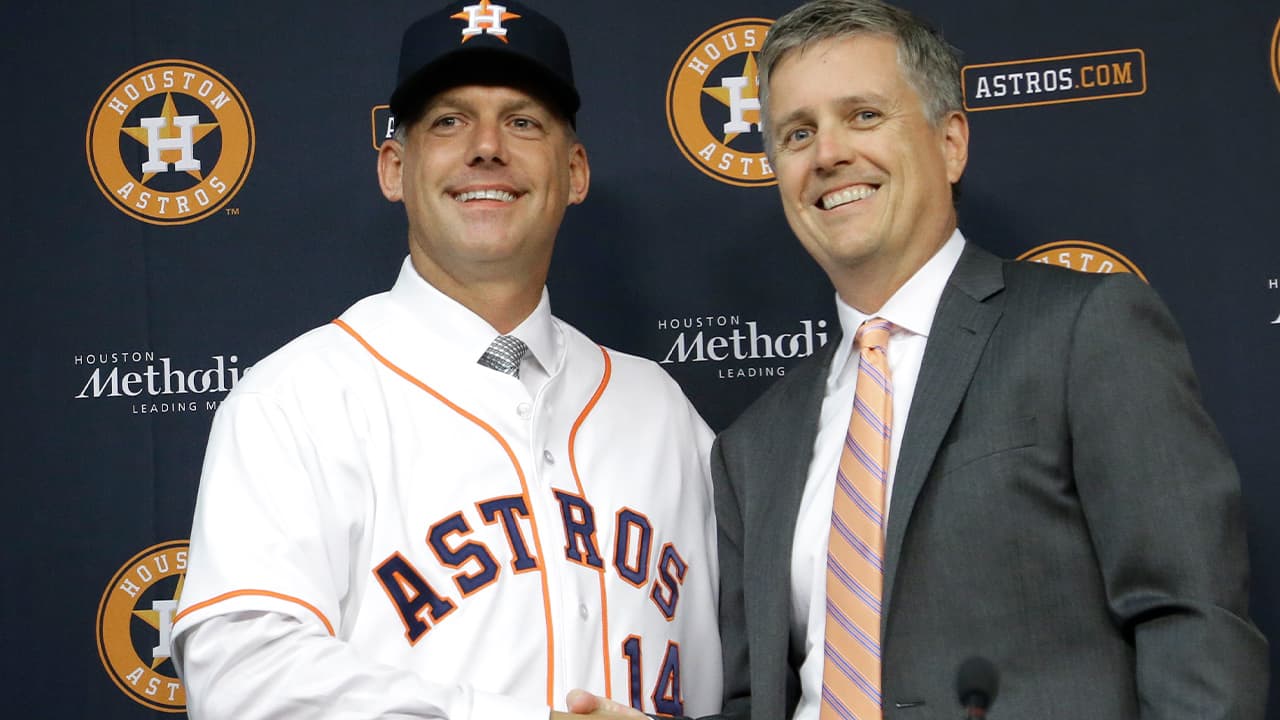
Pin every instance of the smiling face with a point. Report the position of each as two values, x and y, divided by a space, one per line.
485 174
865 179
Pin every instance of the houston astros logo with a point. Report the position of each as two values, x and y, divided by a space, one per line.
1083 256
170 142
484 18
713 104
135 618
1275 55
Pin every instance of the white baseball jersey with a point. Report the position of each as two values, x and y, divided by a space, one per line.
385 528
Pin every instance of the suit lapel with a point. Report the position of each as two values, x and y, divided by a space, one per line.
967 313
788 476
777 500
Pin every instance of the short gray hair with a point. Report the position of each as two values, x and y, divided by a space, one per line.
931 65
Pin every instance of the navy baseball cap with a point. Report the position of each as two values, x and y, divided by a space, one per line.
484 43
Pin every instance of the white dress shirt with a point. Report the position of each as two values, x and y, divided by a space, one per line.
911 310
472 334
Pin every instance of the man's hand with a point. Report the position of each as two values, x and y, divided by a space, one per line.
581 702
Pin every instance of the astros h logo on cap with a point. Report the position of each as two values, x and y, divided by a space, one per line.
484 18
483 43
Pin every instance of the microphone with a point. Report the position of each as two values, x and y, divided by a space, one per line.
976 684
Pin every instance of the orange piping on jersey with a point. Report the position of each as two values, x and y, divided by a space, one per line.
573 464
524 487
263 593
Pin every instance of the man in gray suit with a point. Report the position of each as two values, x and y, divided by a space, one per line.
1063 520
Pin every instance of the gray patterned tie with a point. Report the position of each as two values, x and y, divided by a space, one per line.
504 354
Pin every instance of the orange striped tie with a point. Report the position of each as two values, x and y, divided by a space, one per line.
855 572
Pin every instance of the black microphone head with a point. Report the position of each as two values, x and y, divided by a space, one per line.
977 683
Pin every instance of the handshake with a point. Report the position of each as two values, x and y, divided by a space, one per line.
583 703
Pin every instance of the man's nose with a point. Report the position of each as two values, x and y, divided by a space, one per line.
833 147
488 143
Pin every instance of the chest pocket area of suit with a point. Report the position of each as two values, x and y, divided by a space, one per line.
984 442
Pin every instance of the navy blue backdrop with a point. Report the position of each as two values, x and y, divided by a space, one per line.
1140 136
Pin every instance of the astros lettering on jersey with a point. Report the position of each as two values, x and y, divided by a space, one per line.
432 514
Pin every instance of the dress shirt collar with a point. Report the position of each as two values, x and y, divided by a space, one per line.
910 309
456 331
539 332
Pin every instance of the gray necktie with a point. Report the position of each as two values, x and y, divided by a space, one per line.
504 354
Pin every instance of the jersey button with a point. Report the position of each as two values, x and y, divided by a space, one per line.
582 611
524 410
548 457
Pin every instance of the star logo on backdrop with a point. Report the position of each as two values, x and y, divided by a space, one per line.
484 18
189 147
741 94
169 131
1083 256
713 104
135 626
160 618
1275 55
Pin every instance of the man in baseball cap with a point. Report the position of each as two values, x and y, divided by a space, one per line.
505 45
449 503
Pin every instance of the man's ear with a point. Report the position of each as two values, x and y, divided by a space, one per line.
391 170
579 174
955 144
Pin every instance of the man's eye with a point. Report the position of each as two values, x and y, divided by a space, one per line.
799 135
868 115
447 121
523 123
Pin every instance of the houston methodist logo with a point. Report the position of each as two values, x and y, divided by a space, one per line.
170 142
739 350
1082 256
157 385
135 620
713 104
484 18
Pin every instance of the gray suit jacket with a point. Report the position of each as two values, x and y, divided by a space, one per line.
1063 506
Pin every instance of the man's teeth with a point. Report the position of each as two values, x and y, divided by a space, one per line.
501 195
846 196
